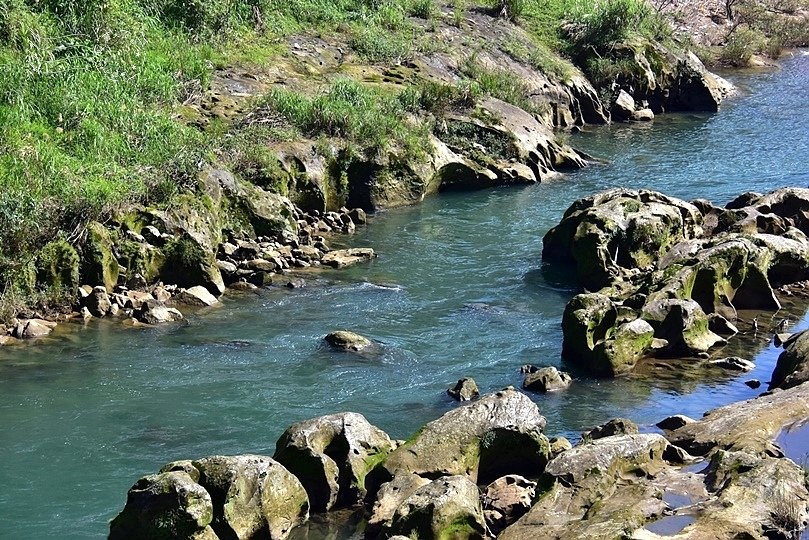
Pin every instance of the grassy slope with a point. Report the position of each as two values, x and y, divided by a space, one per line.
91 93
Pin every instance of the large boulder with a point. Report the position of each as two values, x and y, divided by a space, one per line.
683 325
156 312
594 336
448 507
596 490
499 434
251 494
617 231
165 506
792 367
331 455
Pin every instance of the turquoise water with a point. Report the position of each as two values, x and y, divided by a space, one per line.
458 290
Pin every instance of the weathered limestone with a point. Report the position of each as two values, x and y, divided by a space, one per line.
499 434
448 507
331 455
506 500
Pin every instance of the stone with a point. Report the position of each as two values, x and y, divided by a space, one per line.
340 258
464 390
135 299
498 434
792 367
388 498
623 106
99 266
195 296
347 341
98 301
559 445
57 266
643 115
733 363
547 379
683 324
155 312
253 494
331 456
506 500
32 328
674 422
447 507
165 506
616 426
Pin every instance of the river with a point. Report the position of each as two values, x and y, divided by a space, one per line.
458 290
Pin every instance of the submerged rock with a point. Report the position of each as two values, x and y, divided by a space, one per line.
464 390
547 379
348 341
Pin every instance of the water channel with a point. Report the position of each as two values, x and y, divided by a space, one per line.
458 290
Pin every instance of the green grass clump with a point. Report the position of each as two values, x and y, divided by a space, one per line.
373 122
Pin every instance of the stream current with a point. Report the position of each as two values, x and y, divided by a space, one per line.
458 290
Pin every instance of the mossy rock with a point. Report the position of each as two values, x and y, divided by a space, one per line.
187 264
99 265
58 266
142 259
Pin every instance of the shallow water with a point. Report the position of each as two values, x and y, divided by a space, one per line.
458 290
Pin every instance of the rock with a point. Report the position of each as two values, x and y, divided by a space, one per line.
242 286
749 425
721 326
57 266
643 115
135 299
464 390
98 301
227 268
506 500
623 106
165 506
99 266
616 426
341 258
792 367
592 340
733 363
612 232
331 456
448 507
547 379
32 328
389 497
683 324
674 422
596 490
347 341
559 445
195 296
498 434
252 494
155 312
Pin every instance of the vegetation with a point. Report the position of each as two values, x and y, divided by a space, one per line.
762 28
94 95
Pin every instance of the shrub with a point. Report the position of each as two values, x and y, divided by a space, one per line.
741 45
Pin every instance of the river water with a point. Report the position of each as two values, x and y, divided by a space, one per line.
458 290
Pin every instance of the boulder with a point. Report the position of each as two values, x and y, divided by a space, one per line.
506 500
748 426
498 434
195 296
165 506
616 231
57 266
616 426
464 390
32 328
155 312
331 455
98 301
792 367
447 507
683 324
388 499
347 341
623 106
547 379
596 490
251 495
340 258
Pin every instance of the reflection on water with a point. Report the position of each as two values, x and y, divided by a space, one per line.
458 290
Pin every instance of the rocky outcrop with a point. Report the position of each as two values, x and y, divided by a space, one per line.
331 455
546 379
669 276
212 498
498 434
